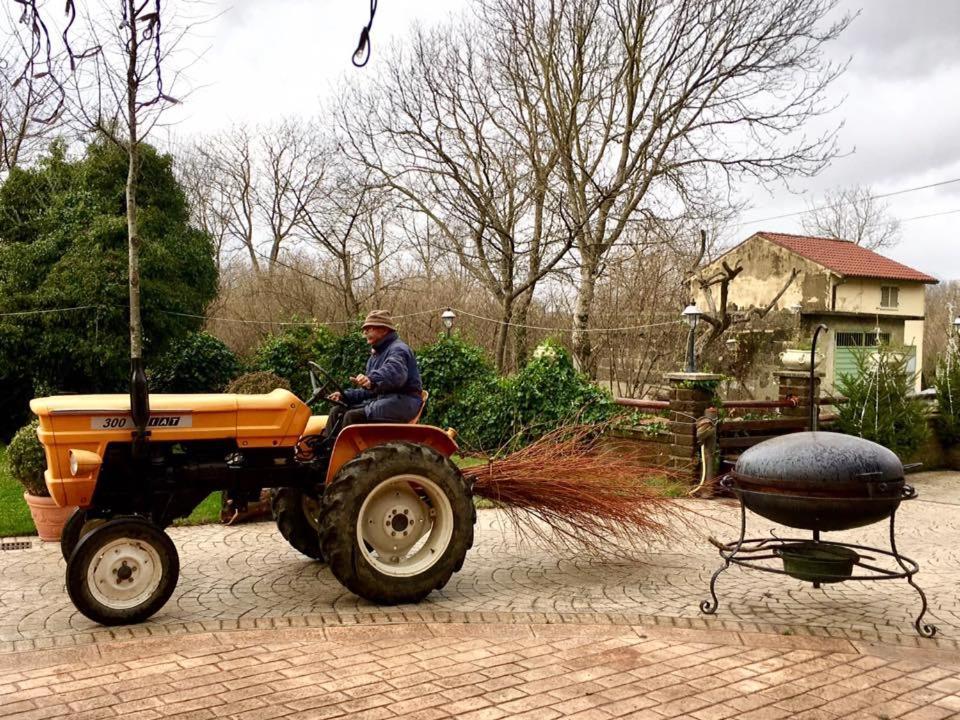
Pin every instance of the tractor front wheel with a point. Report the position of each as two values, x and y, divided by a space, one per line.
397 522
296 512
77 525
122 571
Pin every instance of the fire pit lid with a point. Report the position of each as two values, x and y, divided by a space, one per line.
818 459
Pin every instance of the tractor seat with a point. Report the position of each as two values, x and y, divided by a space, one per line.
423 403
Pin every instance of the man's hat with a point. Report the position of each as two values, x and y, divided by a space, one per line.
381 318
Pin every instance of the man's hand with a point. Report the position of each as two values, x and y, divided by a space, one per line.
363 381
335 396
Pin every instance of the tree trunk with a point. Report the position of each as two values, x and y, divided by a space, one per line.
139 393
349 296
582 346
503 332
133 170
521 335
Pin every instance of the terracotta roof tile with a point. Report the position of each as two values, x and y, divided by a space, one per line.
846 258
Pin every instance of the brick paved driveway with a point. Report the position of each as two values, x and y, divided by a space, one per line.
415 672
612 636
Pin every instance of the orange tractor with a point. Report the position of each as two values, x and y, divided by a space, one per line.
382 503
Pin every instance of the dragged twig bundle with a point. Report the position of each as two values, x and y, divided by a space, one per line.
567 488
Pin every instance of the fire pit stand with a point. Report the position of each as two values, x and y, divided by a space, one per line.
817 561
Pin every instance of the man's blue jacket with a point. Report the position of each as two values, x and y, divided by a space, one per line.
395 395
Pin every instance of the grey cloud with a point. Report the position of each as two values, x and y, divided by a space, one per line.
903 38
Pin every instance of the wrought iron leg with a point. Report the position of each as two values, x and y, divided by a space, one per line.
923 629
709 606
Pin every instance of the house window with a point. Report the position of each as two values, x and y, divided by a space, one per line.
859 339
889 296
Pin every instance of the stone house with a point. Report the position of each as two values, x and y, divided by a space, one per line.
863 297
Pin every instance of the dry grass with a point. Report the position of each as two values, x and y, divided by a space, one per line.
569 489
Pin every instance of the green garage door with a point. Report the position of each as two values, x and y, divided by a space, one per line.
851 343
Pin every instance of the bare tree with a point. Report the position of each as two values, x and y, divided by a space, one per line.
440 128
121 94
227 166
257 179
854 214
650 103
332 219
30 97
720 317
208 208
294 157
943 307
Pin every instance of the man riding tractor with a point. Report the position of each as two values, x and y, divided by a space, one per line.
389 390
369 490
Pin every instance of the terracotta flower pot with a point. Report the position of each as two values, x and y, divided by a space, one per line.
47 516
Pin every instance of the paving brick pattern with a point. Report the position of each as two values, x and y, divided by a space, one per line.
248 577
417 672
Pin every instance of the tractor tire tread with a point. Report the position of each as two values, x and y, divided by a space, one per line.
342 500
293 525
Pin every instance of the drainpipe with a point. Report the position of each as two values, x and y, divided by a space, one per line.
814 406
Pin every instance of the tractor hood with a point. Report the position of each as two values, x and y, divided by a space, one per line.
91 422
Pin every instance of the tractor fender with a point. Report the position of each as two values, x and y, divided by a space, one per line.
354 439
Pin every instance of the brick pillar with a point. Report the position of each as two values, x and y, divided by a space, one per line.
796 384
687 405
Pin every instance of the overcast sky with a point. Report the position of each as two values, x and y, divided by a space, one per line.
901 111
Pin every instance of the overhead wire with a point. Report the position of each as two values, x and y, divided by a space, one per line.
878 196
307 323
23 313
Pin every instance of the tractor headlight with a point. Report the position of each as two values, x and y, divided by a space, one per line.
83 462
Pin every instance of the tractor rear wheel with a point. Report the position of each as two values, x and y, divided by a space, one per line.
396 523
296 512
122 571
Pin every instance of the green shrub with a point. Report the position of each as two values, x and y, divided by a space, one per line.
547 393
484 414
26 459
878 405
257 383
198 362
344 356
947 383
64 244
448 368
286 354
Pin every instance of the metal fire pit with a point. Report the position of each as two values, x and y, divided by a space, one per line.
818 481
810 506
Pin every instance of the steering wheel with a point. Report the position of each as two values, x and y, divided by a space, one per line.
324 388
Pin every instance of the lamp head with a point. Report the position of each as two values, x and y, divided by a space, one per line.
691 313
448 317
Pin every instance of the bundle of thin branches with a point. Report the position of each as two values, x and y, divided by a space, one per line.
570 488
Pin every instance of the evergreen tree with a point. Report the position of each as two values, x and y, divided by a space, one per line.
63 244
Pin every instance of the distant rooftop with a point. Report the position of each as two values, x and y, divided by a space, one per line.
846 258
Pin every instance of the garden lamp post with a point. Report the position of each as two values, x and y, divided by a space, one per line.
691 313
448 316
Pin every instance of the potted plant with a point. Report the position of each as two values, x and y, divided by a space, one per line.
27 463
797 356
